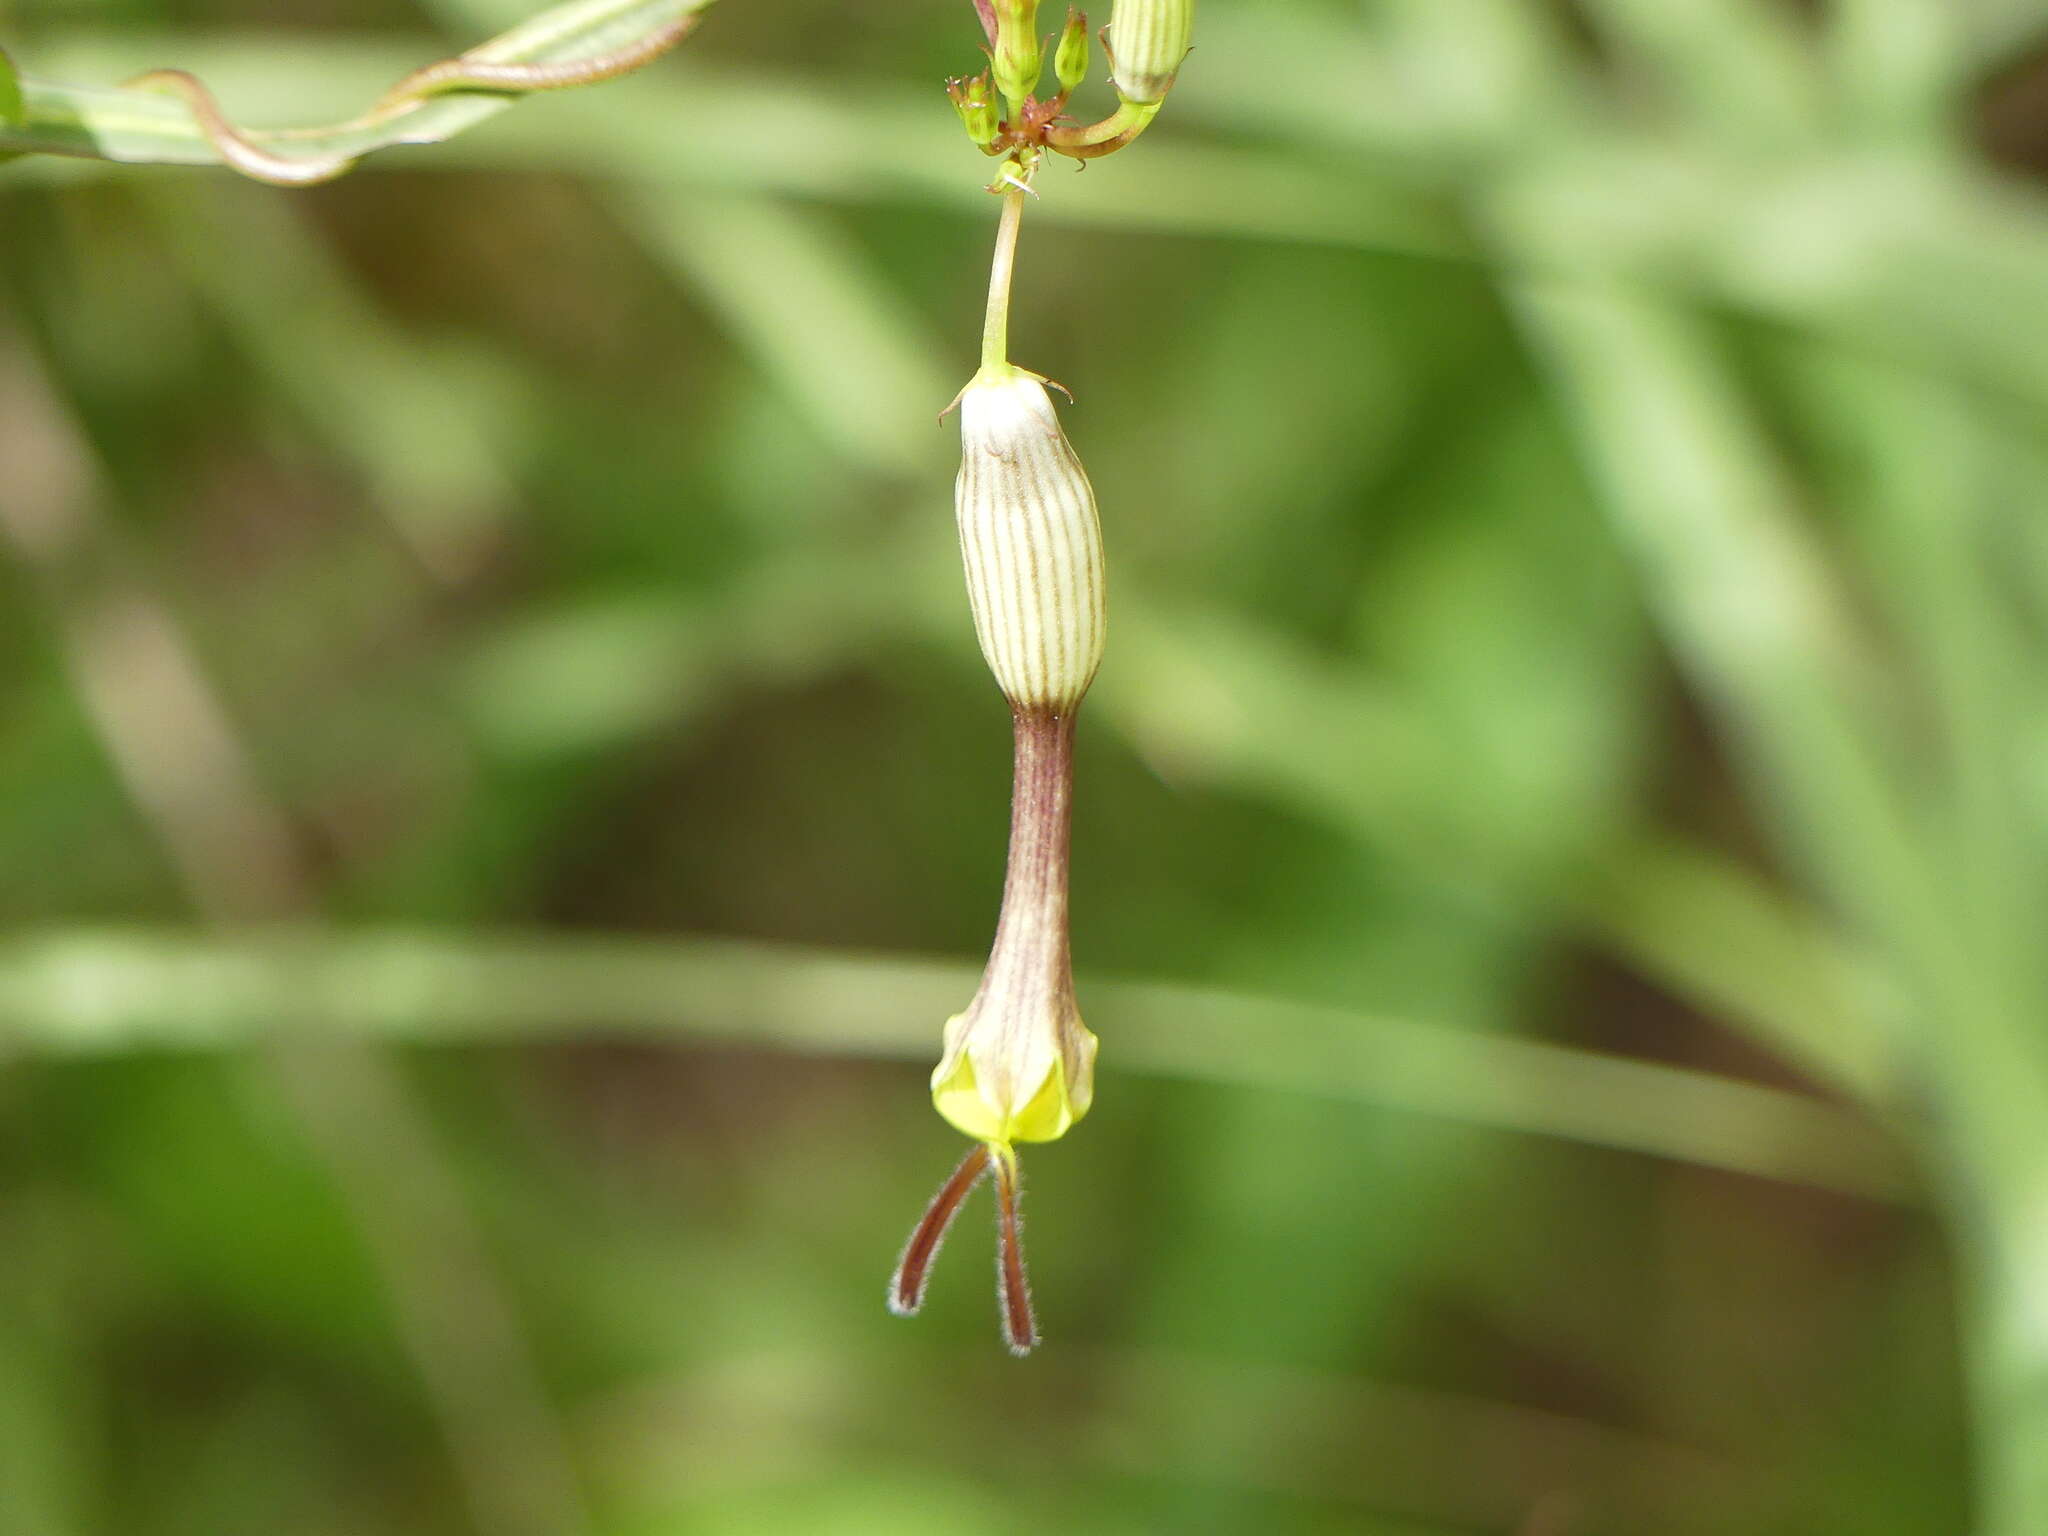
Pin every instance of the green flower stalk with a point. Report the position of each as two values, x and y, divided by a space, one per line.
1018 1063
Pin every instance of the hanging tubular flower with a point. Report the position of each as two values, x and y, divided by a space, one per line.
1019 1065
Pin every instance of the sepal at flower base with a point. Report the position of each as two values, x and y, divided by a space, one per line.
972 100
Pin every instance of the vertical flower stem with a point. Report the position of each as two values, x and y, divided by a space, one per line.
995 331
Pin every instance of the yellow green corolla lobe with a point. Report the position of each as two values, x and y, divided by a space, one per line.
1047 1115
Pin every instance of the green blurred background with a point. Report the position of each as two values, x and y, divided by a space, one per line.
498 792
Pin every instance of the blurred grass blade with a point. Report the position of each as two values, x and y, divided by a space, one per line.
1335 744
1998 29
1741 587
1896 65
93 993
811 311
10 92
418 423
1697 923
1737 66
146 127
1698 495
1921 459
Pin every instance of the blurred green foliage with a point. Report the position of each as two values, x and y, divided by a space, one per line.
500 794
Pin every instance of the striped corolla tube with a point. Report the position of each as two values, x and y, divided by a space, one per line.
1148 40
1018 1064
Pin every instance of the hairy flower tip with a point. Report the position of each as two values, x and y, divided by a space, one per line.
1148 39
1031 543
913 1269
1013 1284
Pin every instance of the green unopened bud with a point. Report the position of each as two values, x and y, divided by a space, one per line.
1017 59
1148 39
1070 59
1031 543
10 92
977 108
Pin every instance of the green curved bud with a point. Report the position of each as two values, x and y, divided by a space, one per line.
1070 59
1017 60
1148 39
977 108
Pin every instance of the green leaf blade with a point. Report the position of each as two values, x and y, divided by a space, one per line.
140 126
